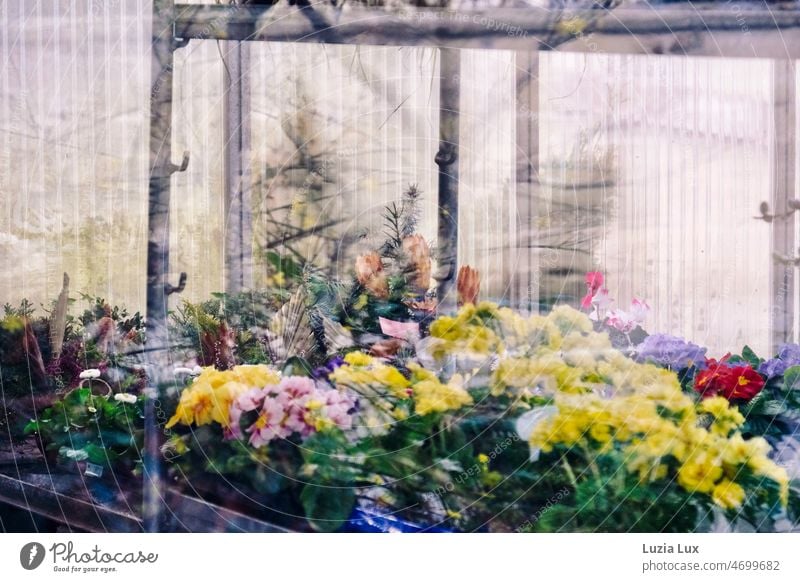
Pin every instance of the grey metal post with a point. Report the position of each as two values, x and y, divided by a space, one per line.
238 217
524 288
158 288
447 160
783 186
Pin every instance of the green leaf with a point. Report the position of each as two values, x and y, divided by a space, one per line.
97 454
791 378
78 397
750 356
773 407
297 366
327 508
285 265
755 406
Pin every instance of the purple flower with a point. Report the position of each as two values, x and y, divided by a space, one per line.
772 368
788 356
671 352
323 372
790 353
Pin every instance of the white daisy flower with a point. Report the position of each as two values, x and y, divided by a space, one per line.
126 398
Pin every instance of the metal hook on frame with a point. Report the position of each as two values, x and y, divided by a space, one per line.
169 168
169 289
182 167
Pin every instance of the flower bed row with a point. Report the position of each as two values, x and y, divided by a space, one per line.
493 417
352 406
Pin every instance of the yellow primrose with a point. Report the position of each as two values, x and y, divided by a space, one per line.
736 451
433 396
255 376
322 423
358 359
486 329
601 433
198 405
547 372
655 424
368 375
445 328
660 442
647 469
208 398
526 334
597 343
716 406
418 373
700 473
400 413
473 330
726 418
764 467
728 495
393 379
568 319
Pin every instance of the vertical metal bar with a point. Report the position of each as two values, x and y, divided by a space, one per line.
526 264
783 185
236 114
161 168
447 160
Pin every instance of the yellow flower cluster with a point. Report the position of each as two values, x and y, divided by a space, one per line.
209 397
537 354
486 329
431 395
657 430
374 380
545 374
575 359
474 330
363 373
607 401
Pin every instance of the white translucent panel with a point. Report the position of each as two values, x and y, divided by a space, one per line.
487 185
74 86
652 170
197 210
